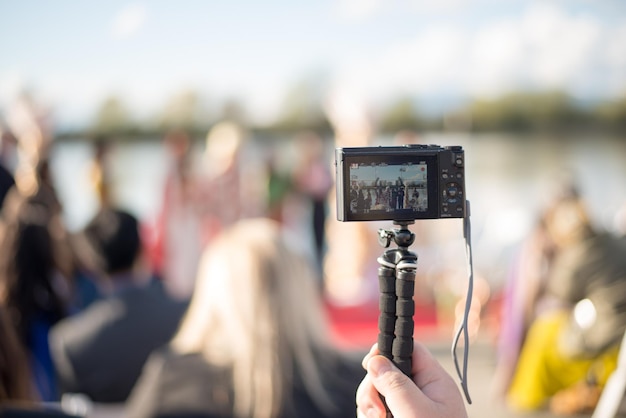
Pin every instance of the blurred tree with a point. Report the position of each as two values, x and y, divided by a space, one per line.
113 118
302 109
232 109
612 114
524 111
184 111
401 115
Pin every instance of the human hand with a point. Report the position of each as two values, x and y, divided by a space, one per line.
431 394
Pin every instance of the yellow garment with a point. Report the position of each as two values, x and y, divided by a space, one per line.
542 370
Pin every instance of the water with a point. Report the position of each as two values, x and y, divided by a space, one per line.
138 172
509 179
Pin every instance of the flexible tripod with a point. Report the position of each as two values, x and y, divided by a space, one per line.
396 279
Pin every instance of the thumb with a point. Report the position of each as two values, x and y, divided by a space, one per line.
399 391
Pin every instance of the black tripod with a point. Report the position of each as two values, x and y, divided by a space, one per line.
396 278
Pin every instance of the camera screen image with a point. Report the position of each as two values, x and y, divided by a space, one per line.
399 183
381 188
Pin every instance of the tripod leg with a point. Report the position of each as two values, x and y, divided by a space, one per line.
402 349
387 307
387 315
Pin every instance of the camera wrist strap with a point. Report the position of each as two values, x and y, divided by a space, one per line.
463 327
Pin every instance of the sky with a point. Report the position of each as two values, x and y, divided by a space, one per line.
73 54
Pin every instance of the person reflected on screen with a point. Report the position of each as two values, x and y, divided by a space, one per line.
432 393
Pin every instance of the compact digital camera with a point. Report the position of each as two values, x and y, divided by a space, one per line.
400 183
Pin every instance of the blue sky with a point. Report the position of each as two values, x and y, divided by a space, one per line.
73 54
389 173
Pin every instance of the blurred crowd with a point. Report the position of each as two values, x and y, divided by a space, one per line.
564 310
216 307
213 308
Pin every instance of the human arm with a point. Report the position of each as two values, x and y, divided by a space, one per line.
432 393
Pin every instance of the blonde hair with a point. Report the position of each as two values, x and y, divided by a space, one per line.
223 142
256 309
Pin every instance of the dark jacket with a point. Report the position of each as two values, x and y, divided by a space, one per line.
100 352
185 386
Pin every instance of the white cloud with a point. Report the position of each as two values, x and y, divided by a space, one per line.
442 6
428 60
128 21
560 47
422 64
495 59
358 9
544 48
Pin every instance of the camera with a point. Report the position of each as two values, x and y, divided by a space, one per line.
400 183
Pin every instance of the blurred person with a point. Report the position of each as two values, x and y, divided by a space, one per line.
100 351
571 348
279 188
431 393
254 342
521 301
80 285
312 179
32 127
100 172
41 280
35 282
228 191
18 397
202 197
350 266
177 240
16 387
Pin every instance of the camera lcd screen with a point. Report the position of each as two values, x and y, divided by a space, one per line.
395 189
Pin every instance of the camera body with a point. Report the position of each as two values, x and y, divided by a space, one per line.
400 183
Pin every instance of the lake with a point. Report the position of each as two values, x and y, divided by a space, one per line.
509 179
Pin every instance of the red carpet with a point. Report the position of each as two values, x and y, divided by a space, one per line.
356 326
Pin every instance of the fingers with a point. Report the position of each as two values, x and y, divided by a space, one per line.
400 392
430 376
368 400
373 351
431 393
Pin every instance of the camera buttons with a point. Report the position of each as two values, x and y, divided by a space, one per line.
452 190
